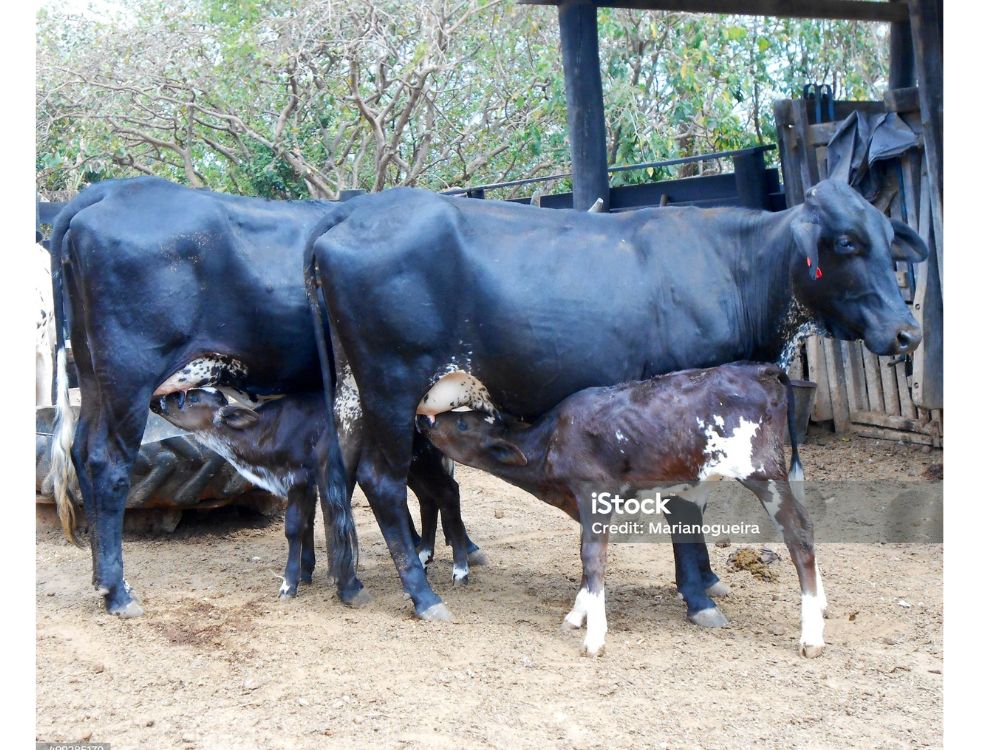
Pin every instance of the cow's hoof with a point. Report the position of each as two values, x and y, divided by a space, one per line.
357 599
572 621
306 578
811 652
436 613
286 591
131 609
592 650
478 558
718 589
460 576
709 618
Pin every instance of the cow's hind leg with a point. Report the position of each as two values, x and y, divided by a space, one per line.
382 474
103 452
792 520
297 528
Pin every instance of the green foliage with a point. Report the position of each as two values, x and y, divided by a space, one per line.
298 98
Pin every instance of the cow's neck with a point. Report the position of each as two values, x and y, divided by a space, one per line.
775 320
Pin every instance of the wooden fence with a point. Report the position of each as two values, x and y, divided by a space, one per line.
859 391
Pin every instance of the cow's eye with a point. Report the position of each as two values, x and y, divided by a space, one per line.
845 245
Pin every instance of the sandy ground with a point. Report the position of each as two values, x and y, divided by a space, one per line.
218 662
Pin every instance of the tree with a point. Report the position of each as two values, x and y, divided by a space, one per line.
304 98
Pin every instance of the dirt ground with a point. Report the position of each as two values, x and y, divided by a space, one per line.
218 662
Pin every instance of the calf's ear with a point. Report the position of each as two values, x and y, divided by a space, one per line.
807 236
506 453
907 244
237 417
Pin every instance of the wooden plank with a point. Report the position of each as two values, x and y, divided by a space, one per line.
883 433
926 29
873 381
809 170
790 152
902 100
890 390
928 309
893 422
838 391
854 372
816 361
848 10
906 407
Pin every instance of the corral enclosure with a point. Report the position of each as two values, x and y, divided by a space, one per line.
218 662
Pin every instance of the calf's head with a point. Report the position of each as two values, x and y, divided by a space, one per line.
845 271
474 439
203 410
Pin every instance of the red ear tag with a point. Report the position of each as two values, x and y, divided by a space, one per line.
809 262
819 273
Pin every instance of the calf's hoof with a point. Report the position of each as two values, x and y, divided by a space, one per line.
810 652
592 650
478 558
306 578
718 589
356 599
709 618
570 624
287 591
460 576
426 557
436 613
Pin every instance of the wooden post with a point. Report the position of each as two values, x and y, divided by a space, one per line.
901 73
925 24
584 102
751 180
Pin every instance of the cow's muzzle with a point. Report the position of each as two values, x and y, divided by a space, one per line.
907 339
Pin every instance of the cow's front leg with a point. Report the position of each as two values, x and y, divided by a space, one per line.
382 474
792 520
695 579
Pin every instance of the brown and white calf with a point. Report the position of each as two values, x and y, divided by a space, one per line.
278 446
677 429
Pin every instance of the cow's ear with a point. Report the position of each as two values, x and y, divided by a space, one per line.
237 417
807 237
907 244
506 452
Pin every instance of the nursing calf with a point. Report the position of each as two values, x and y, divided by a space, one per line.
678 429
278 446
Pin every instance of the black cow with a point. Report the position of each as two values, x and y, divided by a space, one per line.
683 428
501 305
170 288
278 446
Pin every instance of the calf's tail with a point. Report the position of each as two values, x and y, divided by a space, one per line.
796 475
341 532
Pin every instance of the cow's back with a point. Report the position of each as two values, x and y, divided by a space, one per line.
167 268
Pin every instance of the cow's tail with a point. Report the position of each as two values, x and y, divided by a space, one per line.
62 473
342 534
796 474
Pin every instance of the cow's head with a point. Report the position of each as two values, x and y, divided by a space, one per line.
844 271
203 410
474 439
